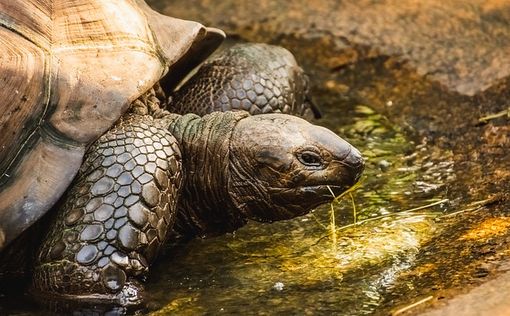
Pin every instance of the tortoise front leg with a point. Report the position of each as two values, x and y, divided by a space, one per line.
115 216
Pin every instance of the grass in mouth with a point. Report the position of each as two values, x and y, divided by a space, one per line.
337 199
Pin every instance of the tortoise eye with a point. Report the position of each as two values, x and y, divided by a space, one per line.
310 159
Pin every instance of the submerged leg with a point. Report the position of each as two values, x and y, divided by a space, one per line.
115 216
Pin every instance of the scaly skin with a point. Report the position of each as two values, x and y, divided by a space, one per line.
257 78
116 215
124 201
114 218
206 207
193 175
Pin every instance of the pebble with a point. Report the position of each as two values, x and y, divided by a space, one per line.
278 286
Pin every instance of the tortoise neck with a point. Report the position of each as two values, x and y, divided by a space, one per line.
205 207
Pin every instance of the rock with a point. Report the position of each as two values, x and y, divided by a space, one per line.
490 298
278 286
463 45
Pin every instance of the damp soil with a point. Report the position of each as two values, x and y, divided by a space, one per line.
429 218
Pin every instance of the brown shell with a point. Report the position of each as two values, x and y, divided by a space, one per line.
68 70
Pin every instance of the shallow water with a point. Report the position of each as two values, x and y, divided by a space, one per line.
402 237
304 265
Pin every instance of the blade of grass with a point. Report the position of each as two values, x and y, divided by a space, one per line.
332 220
355 213
336 199
409 307
427 206
333 226
489 117
392 214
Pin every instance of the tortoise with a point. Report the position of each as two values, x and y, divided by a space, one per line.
95 137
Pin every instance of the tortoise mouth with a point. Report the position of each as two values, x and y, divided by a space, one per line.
315 195
328 191
300 198
287 203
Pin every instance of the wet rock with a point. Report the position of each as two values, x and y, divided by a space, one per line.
490 298
464 46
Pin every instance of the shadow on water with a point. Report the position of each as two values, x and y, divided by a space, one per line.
425 217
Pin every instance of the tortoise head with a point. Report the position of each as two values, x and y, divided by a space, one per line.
281 166
265 167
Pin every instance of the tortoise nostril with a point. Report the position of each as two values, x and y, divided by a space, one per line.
356 163
354 158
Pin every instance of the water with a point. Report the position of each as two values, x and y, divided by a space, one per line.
407 234
300 266
421 195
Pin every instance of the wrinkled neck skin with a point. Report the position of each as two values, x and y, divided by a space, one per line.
206 207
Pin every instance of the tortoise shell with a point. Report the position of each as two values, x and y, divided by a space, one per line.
68 70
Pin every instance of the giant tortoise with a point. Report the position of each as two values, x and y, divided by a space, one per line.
94 136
